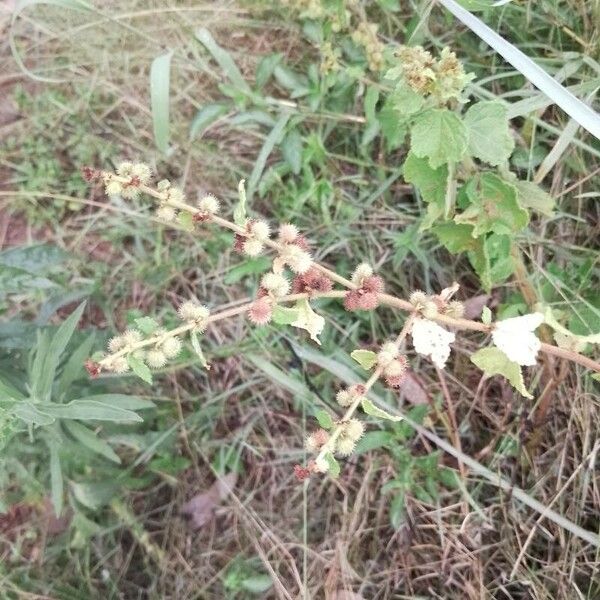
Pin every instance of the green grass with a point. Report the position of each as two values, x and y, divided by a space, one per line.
250 412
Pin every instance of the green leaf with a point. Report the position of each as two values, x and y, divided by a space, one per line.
324 419
373 440
439 135
147 325
370 409
56 478
139 368
334 466
89 410
223 59
489 134
492 361
94 495
455 238
205 117
533 196
494 206
160 76
397 511
308 319
492 260
37 259
266 67
186 220
74 367
270 142
120 401
486 315
28 411
91 441
431 183
257 584
48 356
291 148
365 358
198 350
392 126
405 100
284 315
239 212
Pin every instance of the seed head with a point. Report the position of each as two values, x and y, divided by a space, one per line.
118 365
455 309
389 351
131 336
260 311
296 258
116 343
171 347
430 309
156 359
287 233
344 398
345 446
418 299
209 204
175 194
260 230
252 247
166 213
113 188
191 311
321 465
353 429
361 272
395 372
275 284
142 172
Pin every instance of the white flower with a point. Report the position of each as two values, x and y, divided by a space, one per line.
429 339
516 339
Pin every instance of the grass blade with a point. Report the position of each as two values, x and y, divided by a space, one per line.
574 107
160 77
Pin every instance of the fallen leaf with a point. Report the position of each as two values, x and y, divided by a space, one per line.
201 508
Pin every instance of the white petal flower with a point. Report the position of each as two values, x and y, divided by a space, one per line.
429 339
516 339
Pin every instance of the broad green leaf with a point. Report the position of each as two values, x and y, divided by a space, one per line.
47 357
492 361
139 368
251 266
205 117
270 142
291 148
489 134
392 127
56 478
284 315
37 259
550 319
239 212
90 440
89 410
373 440
533 196
431 183
186 220
365 358
223 59
257 584
405 100
29 412
308 319
160 76
370 409
492 260
147 325
439 135
455 238
324 419
198 350
494 207
94 495
334 466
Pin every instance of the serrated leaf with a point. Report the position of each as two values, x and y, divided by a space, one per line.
147 325
440 136
370 409
90 440
431 183
365 358
308 319
405 100
239 212
284 315
334 466
489 134
455 238
533 196
160 74
324 419
198 350
492 361
494 206
140 368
